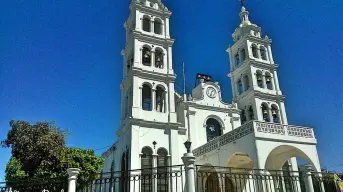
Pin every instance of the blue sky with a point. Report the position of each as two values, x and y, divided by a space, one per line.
60 60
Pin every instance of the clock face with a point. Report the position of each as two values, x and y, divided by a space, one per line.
211 92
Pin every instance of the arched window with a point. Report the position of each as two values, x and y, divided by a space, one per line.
254 51
269 83
240 87
158 27
243 56
213 129
259 79
159 59
146 24
275 114
162 170
146 56
251 113
146 173
243 117
265 112
263 53
246 83
160 99
237 59
146 98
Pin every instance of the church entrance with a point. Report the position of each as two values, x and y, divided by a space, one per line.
212 183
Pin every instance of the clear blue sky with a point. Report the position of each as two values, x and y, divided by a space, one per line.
60 60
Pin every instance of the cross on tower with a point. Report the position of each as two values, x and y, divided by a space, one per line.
242 2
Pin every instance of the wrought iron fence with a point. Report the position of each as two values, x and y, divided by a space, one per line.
159 179
43 185
223 179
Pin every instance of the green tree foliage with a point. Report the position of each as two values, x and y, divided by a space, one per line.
39 151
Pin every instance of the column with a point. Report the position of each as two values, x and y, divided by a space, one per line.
165 102
152 59
167 28
189 162
152 26
308 180
138 22
270 114
170 59
153 100
283 113
243 86
258 53
264 81
72 177
154 172
269 49
276 81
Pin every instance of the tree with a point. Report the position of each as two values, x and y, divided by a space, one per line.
39 151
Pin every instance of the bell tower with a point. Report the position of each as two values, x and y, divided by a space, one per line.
255 85
148 117
148 82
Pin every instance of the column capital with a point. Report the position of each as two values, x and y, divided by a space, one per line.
73 173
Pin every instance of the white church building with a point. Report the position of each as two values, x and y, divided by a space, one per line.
251 132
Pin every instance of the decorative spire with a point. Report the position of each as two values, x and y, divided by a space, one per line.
244 15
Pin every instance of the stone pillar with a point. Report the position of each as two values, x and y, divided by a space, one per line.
243 86
152 26
271 119
308 179
72 173
276 81
154 172
189 162
153 99
264 84
152 64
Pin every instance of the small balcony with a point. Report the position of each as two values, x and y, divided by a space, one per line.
261 131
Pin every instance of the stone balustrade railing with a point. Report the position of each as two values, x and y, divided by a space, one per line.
254 126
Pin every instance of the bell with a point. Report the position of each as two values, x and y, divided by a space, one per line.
259 78
274 112
268 79
265 112
158 59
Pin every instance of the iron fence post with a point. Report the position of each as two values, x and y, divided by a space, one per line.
72 173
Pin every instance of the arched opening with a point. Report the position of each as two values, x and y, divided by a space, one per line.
263 53
269 83
240 87
275 114
129 63
146 98
240 164
265 112
259 79
243 55
146 24
246 83
146 173
160 99
243 117
158 27
251 113
207 179
237 59
213 129
159 59
162 170
254 51
279 161
146 56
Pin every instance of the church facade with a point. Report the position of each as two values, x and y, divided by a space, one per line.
251 132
